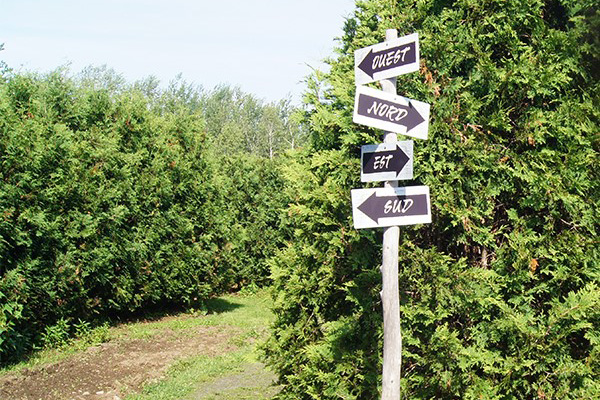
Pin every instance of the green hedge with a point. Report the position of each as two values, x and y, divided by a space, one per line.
252 199
499 295
107 207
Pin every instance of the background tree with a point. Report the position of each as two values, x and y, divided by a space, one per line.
294 133
101 78
238 122
3 67
271 129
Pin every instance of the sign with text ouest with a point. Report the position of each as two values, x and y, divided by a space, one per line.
387 59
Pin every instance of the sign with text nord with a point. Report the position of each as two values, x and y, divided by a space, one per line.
387 59
390 112
387 161
389 206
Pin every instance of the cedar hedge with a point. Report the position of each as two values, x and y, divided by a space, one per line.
499 295
111 203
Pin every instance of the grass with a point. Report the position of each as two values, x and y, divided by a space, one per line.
185 377
250 313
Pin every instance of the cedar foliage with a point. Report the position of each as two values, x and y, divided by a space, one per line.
112 201
105 206
499 295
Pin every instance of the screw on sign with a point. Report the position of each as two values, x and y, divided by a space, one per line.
387 161
381 207
386 60
390 112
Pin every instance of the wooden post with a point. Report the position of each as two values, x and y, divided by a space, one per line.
392 338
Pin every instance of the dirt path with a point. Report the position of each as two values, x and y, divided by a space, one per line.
254 382
214 357
114 369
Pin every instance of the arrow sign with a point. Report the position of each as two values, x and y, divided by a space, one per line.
379 207
387 161
387 111
387 59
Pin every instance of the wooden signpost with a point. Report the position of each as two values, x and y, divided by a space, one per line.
390 206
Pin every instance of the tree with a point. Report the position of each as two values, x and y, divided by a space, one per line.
108 207
3 66
237 122
499 295
101 78
271 129
294 133
231 120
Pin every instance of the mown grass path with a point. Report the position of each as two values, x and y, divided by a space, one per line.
188 356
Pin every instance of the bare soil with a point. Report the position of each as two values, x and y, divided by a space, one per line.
114 369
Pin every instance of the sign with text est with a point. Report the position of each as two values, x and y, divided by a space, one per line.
387 161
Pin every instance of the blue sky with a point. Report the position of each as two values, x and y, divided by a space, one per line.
266 47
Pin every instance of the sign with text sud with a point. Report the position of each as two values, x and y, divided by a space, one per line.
390 112
387 161
387 59
389 206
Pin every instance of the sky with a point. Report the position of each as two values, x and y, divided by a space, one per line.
266 47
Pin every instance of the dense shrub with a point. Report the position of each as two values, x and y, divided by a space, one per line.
499 295
252 199
113 199
107 206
